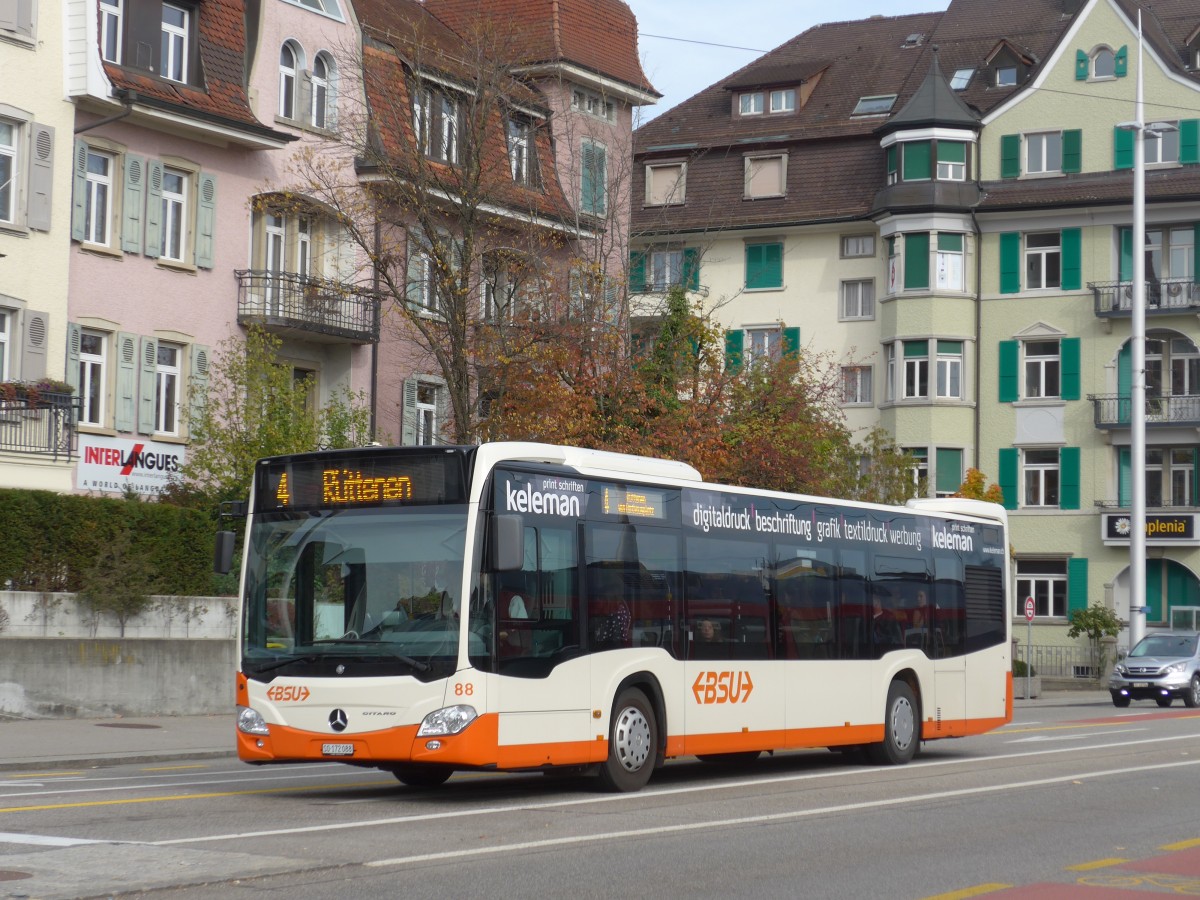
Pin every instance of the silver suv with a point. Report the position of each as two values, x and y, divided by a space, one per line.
1160 667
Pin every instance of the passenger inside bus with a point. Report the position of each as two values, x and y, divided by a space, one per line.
608 610
885 630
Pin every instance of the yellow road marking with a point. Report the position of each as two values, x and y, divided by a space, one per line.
168 798
971 892
45 775
1182 845
1097 864
173 768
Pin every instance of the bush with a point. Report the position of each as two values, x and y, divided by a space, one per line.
1018 669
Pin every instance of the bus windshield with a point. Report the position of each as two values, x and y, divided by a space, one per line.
373 590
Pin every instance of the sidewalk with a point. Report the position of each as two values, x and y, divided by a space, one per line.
34 744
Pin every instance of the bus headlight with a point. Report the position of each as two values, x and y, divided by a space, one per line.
250 721
447 720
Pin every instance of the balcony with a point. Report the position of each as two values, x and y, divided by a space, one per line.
1170 296
307 308
39 424
1113 410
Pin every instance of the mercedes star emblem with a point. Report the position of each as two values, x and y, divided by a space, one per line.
338 720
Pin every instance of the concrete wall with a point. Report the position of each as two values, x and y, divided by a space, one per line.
45 614
72 678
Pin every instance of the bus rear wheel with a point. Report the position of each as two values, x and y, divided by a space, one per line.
422 776
900 728
632 744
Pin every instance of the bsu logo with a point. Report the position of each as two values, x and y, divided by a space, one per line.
722 687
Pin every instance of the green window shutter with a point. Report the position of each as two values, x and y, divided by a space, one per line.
917 161
74 339
1010 156
949 470
1196 476
691 268
1122 148
1077 584
1010 262
206 220
1082 65
1189 141
1125 260
133 204
1124 382
1069 356
764 265
1121 62
791 343
1072 151
1124 491
916 260
733 350
146 386
950 348
1010 364
1196 253
637 271
127 382
79 191
408 422
1068 478
1008 476
950 241
197 384
154 180
1072 259
1154 590
916 349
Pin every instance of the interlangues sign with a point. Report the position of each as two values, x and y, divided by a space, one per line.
114 465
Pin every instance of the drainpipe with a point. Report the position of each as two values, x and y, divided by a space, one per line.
375 284
127 98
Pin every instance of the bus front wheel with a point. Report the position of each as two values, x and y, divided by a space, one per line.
632 744
900 728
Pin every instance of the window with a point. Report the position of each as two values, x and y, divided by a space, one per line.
593 105
166 389
855 245
949 371
175 39
1043 260
328 7
426 413
948 471
174 215
893 164
916 370
764 266
8 171
762 344
1043 153
594 194
1104 64
751 104
518 150
920 469
1045 580
856 385
110 30
948 262
1006 76
287 82
1162 147
960 79
666 268
92 376
16 19
766 176
5 318
665 184
1041 477
874 106
1183 461
435 121
97 205
858 299
783 101
1042 369
951 161
421 286
321 72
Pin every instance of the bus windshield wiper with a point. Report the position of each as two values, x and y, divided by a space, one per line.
286 661
407 660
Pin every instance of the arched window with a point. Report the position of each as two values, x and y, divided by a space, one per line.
322 94
1104 64
287 81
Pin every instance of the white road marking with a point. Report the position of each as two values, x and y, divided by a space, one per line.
1039 738
42 840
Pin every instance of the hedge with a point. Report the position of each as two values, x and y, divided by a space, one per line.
50 539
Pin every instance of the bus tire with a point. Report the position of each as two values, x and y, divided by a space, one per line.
900 728
422 777
632 744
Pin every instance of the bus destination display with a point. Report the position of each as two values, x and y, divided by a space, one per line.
636 502
359 481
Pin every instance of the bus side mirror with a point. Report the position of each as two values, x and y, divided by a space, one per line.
223 552
508 543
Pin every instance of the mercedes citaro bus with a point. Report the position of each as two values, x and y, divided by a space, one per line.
525 607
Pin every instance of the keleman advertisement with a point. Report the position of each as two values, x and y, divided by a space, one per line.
115 464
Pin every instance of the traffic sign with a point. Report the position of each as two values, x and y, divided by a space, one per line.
1028 609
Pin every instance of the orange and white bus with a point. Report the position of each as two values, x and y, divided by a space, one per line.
523 607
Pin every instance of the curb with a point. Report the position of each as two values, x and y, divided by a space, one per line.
111 759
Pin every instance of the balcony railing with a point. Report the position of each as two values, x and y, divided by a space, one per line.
317 309
1114 410
1169 295
43 425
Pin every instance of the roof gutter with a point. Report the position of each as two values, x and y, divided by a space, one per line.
127 98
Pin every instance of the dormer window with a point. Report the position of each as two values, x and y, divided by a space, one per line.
783 101
110 30
1006 76
435 123
176 24
877 105
751 104
962 77
593 105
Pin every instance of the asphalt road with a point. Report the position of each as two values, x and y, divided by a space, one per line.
1064 802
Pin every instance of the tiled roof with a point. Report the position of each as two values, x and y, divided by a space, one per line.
1098 188
598 35
221 37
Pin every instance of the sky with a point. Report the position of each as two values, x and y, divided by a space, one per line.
680 40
